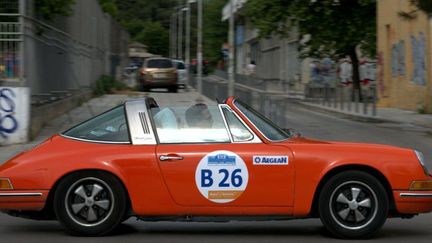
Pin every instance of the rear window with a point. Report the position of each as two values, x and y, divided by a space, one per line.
159 63
180 66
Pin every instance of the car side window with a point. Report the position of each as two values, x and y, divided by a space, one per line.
239 131
195 124
110 126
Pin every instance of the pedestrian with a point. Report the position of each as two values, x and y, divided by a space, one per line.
251 68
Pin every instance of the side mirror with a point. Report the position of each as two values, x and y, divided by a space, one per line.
292 132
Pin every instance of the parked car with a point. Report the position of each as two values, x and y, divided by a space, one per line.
182 74
158 72
209 163
205 66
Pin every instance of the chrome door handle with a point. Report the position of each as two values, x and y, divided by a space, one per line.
170 157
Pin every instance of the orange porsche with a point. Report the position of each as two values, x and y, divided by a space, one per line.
209 163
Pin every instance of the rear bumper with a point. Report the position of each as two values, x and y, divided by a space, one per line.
23 199
413 202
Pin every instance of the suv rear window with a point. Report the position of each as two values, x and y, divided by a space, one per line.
181 66
159 63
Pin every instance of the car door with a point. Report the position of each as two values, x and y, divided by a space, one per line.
240 171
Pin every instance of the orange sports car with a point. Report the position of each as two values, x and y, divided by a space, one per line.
209 163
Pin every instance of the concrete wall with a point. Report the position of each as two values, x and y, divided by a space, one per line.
404 57
72 52
277 59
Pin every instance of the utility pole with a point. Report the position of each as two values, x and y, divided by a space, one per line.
199 47
188 32
171 36
175 34
231 51
180 32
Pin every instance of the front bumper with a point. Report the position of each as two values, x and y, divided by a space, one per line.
413 202
23 200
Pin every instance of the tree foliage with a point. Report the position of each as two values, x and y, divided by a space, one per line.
336 27
148 21
423 5
215 31
110 7
50 9
156 37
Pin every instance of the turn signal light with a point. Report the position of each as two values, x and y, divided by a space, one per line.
5 184
421 186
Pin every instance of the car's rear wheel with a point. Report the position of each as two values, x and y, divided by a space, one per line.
353 204
90 203
173 89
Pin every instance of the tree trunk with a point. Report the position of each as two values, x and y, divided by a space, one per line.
356 74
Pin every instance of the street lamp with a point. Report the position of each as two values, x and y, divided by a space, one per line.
199 47
231 67
188 32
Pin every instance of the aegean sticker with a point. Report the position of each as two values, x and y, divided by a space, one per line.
270 160
221 176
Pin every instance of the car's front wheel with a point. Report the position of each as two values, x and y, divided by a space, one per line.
353 204
90 203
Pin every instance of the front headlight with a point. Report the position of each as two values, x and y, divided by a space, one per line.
421 160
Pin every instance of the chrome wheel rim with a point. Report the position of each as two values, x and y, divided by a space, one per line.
353 205
89 202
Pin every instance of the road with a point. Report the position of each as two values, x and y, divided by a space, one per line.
311 124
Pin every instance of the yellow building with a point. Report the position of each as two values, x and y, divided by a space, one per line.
404 57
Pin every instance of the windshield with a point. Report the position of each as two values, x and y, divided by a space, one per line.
159 63
270 130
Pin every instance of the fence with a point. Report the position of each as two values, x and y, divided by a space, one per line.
10 41
342 98
273 104
270 104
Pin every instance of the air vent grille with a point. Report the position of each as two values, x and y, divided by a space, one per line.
144 123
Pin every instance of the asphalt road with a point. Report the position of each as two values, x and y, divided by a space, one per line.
311 124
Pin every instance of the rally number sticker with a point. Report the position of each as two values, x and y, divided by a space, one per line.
221 176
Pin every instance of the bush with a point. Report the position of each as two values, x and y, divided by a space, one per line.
106 84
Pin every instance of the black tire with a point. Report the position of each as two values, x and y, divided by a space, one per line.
90 203
173 89
145 88
353 204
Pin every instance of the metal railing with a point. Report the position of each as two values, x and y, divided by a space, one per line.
270 104
10 43
342 98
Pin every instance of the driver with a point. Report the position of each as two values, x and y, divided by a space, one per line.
198 116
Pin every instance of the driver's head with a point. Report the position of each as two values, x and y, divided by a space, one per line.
198 116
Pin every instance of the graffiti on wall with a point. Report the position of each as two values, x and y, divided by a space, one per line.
8 121
322 71
367 71
380 65
14 115
419 59
398 59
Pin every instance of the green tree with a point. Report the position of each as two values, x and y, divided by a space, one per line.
336 27
156 37
50 9
423 5
110 7
215 31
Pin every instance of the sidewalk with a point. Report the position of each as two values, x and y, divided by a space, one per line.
384 115
93 107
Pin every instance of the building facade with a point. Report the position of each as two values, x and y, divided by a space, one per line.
404 57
